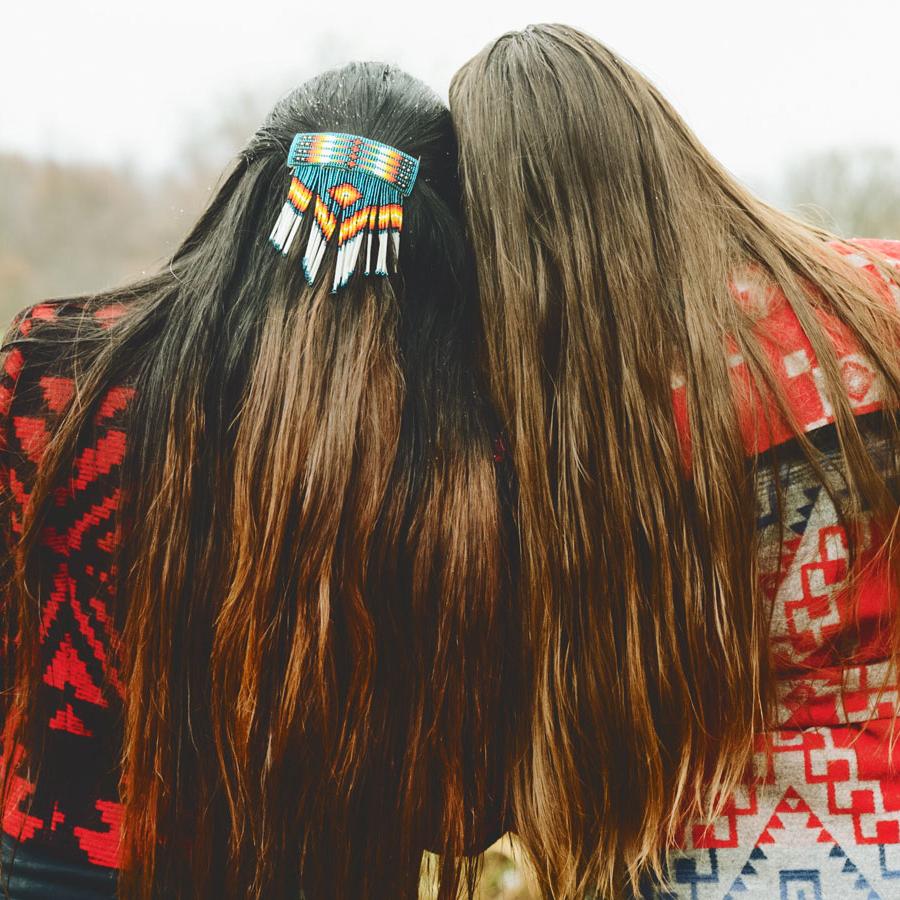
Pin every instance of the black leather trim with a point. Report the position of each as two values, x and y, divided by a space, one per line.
35 875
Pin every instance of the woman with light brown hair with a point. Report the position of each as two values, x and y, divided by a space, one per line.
699 395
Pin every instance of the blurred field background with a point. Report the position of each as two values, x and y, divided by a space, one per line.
505 875
75 222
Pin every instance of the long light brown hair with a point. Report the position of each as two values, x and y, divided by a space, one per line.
313 589
606 239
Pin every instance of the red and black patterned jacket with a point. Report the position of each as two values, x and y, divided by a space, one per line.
72 811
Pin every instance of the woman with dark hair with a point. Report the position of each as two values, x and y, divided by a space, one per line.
255 611
699 393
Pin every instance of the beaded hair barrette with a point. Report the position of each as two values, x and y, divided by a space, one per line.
356 187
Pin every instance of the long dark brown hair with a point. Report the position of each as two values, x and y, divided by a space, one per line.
606 238
312 575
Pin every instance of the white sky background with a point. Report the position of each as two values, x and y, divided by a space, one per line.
761 82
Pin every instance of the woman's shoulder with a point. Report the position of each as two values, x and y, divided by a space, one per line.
867 253
37 377
883 246
45 333
68 310
16 350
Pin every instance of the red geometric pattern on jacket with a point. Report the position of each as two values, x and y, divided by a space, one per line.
74 809
820 815
793 359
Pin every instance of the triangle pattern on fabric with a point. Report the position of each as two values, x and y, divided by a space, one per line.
800 855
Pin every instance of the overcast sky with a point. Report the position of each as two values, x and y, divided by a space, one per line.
761 82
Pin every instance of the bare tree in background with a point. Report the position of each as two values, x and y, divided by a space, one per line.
855 193
70 228
204 158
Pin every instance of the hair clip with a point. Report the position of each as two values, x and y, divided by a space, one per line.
356 187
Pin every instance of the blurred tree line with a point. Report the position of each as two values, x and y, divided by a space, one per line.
72 228
855 194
